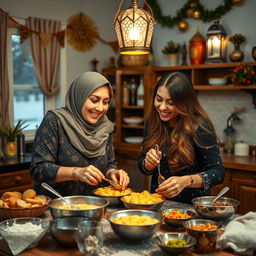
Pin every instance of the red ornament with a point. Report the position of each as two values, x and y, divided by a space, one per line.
197 49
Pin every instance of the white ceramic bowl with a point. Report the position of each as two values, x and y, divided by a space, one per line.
133 120
133 139
217 81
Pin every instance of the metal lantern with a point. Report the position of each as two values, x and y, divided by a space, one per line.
134 29
216 43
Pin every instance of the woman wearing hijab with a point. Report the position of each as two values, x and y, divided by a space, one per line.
73 147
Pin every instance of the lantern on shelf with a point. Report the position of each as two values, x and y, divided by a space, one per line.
216 43
134 29
197 48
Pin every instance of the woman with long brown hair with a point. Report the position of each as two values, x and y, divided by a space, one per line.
188 154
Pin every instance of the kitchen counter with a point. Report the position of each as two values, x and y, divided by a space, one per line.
247 163
15 164
113 245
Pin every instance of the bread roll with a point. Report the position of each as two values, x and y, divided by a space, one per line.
13 202
23 204
15 194
29 193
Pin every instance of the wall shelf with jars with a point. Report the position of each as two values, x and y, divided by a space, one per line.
129 117
131 97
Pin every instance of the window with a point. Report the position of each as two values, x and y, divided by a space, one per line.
26 100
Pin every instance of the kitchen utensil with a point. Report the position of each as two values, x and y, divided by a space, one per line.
23 233
177 222
114 199
113 183
55 206
225 208
52 190
150 207
63 230
135 233
160 177
161 239
206 239
222 192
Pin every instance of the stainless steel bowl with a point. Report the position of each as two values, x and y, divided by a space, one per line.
150 207
134 232
177 222
162 239
224 209
63 230
113 200
206 239
95 214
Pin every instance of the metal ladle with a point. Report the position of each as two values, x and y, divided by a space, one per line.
222 192
52 190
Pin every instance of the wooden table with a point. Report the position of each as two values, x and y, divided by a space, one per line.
113 245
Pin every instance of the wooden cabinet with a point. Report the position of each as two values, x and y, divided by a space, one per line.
127 135
15 181
244 190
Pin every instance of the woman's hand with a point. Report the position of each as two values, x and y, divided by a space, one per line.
120 176
173 186
89 174
152 159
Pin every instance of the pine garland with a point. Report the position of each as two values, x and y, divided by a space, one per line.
181 14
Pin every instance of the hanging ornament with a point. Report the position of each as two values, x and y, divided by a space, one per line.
183 26
190 13
197 14
193 4
82 32
237 2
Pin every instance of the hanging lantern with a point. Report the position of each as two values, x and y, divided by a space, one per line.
197 49
134 29
216 43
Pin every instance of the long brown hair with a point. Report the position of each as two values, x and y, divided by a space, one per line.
191 116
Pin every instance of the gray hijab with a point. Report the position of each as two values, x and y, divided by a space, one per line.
89 139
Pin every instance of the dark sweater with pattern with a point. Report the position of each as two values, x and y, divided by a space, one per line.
52 149
207 163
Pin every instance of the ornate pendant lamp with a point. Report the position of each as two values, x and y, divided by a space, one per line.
216 43
134 29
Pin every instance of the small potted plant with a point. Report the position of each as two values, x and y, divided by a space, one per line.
10 133
237 54
172 49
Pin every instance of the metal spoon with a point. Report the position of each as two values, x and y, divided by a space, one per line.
160 177
113 183
52 190
222 192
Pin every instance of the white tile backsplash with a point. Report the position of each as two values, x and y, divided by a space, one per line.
220 104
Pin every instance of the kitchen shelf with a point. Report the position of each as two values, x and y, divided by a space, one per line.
199 75
123 130
223 87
